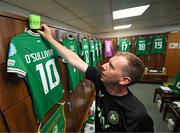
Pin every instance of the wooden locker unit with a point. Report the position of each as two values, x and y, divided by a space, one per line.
172 57
152 61
155 61
12 89
144 59
66 98
3 126
155 78
15 99
9 27
114 41
88 92
20 117
75 106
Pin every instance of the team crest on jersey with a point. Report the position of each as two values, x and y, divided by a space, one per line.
12 49
113 117
178 85
11 62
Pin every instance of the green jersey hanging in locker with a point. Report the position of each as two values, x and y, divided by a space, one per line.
31 57
92 51
100 49
176 86
158 44
81 76
85 50
124 44
141 46
96 44
73 74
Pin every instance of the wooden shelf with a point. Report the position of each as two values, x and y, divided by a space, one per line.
154 78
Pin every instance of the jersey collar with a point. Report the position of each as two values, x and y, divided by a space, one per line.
33 33
70 38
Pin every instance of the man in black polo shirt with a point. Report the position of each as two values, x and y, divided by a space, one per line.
117 109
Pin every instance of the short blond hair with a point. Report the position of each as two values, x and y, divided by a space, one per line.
135 67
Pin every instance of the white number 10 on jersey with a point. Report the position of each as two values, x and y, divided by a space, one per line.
49 80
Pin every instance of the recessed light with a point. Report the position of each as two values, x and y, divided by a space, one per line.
122 26
129 12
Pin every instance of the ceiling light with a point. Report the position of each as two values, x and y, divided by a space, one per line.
122 26
129 12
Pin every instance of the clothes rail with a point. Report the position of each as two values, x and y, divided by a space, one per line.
71 31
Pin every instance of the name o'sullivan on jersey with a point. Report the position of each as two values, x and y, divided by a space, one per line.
33 57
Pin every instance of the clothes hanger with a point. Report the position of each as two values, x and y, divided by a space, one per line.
70 36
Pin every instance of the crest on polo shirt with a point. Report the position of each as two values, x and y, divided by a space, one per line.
113 117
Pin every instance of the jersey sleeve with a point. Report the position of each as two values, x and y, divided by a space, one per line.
14 62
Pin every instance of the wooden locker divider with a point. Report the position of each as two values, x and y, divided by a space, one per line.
172 60
3 124
15 100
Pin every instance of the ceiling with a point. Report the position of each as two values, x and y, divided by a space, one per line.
95 16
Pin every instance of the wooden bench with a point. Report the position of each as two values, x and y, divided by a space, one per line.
165 97
171 108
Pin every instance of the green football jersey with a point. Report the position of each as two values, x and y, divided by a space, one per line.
81 75
96 44
158 44
92 51
124 45
85 50
100 50
176 86
31 57
73 74
141 46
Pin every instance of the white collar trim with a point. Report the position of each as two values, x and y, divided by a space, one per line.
33 33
